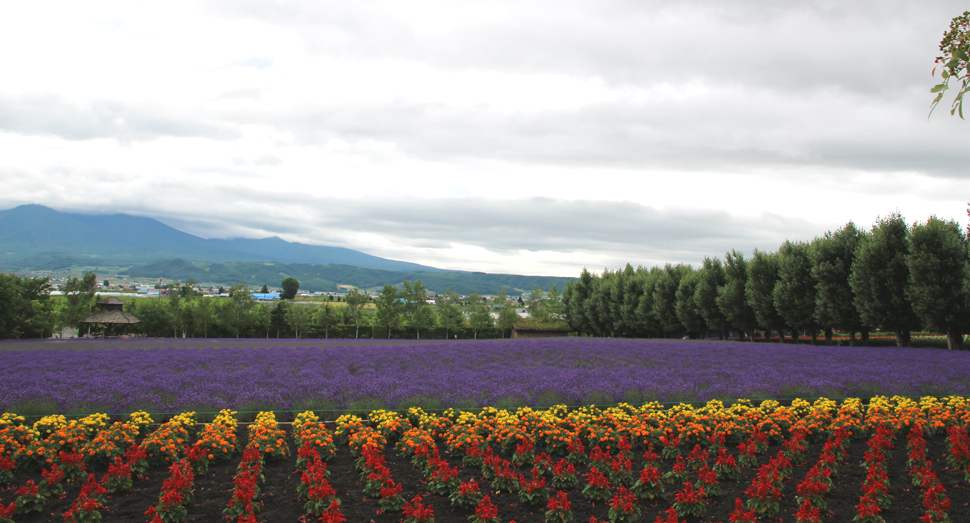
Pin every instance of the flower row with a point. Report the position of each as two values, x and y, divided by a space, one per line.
533 455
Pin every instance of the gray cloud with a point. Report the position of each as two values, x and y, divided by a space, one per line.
628 232
749 84
723 134
50 115
542 224
756 87
870 46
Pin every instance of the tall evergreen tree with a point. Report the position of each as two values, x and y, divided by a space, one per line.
880 277
731 297
832 268
633 287
711 278
278 319
646 317
760 292
574 302
939 277
665 298
794 294
597 306
618 288
688 312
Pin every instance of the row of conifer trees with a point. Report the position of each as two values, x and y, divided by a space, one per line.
893 277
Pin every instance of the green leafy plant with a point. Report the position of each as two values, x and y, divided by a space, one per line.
564 475
391 499
650 484
597 487
690 501
29 498
623 507
468 494
558 510
533 491
955 63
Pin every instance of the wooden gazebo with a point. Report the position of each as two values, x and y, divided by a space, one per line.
110 313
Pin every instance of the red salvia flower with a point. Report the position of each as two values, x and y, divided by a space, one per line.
561 501
623 501
741 514
671 517
649 475
597 479
486 510
807 513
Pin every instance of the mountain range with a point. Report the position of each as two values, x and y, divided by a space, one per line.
34 237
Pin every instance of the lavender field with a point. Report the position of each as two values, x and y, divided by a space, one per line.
107 376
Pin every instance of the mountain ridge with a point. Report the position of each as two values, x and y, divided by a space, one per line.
31 234
35 237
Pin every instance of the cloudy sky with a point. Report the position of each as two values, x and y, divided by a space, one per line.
532 137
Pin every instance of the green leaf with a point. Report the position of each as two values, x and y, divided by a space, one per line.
945 74
961 55
938 88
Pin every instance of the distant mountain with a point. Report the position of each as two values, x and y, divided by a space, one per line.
326 278
37 237
281 250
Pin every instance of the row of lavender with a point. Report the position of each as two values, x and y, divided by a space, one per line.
497 373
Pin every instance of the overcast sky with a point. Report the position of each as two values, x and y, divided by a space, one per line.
530 137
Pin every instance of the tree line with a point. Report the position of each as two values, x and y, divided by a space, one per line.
893 277
28 311
404 312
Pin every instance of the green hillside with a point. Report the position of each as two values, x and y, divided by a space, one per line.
326 278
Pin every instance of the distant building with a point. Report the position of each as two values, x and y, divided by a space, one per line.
265 296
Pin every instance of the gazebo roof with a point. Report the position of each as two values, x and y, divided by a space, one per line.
110 316
111 300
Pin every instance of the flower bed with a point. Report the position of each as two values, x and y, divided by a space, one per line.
338 378
895 459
